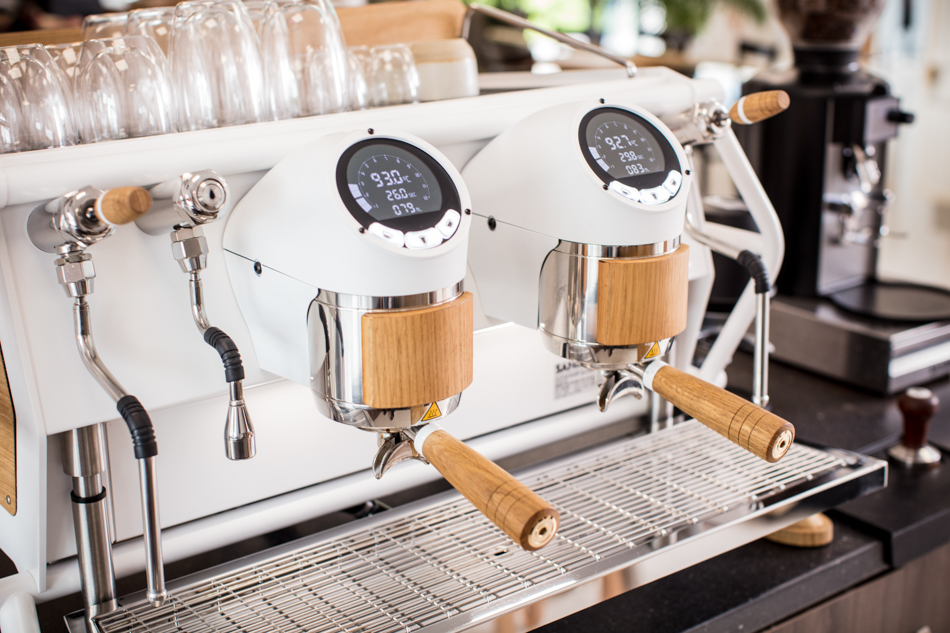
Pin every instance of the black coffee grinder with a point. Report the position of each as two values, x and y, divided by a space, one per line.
821 163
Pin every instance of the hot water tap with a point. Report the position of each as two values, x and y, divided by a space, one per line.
182 206
68 226
347 259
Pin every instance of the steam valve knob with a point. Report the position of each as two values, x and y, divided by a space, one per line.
917 405
899 116
123 204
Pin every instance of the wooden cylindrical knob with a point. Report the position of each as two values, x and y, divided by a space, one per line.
529 520
123 204
918 405
759 106
760 432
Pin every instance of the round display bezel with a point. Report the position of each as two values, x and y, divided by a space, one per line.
640 181
416 222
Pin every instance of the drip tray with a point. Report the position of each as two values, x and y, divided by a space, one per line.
651 505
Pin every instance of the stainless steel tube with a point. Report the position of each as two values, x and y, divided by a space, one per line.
154 569
83 461
197 301
87 350
760 376
147 477
515 20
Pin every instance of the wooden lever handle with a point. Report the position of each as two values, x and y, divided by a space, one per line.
123 204
760 432
759 106
521 514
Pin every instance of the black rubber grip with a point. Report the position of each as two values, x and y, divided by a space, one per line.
140 426
230 356
753 264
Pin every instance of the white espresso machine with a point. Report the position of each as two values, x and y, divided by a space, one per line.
345 236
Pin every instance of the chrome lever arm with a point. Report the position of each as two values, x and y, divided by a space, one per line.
514 20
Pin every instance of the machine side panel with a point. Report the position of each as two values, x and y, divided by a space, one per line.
23 537
7 443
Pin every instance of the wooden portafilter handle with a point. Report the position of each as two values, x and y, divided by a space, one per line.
123 204
529 520
759 106
760 432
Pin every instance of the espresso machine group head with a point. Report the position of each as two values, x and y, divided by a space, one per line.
348 259
581 212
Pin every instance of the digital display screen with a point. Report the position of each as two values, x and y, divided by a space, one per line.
622 146
389 182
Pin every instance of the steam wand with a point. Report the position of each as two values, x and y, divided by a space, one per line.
67 226
183 205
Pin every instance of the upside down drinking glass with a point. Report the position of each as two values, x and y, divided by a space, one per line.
123 90
36 110
216 65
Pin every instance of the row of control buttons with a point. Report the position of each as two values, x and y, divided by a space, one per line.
656 195
418 240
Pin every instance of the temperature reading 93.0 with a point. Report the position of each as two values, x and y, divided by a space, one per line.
392 183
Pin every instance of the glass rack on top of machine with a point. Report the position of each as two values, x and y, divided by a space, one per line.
194 66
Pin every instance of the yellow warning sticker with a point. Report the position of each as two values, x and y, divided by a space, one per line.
432 413
653 353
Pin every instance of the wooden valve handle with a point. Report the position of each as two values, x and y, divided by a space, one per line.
123 204
528 519
759 106
760 432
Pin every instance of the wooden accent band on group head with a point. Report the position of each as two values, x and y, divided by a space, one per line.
415 357
529 520
760 432
124 204
7 443
642 300
759 106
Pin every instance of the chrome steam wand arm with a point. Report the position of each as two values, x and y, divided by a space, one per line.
77 221
185 204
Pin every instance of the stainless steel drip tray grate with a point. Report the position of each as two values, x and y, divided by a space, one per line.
439 563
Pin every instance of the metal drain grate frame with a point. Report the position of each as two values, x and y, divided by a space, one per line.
438 563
